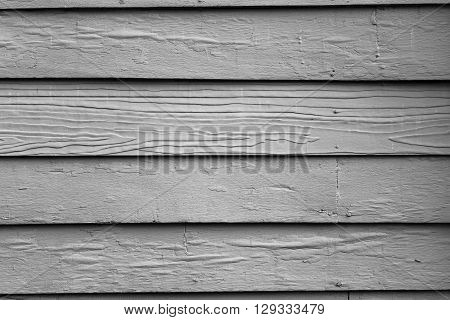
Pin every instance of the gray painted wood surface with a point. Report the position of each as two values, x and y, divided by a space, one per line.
387 189
167 190
17 4
154 118
357 43
59 215
177 258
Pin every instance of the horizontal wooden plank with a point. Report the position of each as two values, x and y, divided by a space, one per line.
223 118
191 258
114 190
31 4
331 43
278 295
99 190
400 295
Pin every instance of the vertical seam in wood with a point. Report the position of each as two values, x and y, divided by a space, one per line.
337 187
377 31
185 241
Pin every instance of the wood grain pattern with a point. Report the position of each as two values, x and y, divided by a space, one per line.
23 4
167 190
342 43
199 258
222 118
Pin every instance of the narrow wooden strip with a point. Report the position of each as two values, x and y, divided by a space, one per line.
400 295
199 258
280 295
223 118
122 190
32 4
255 43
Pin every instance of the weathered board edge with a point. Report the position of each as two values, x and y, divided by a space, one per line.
285 295
50 4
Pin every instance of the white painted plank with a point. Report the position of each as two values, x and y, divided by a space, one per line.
199 258
115 190
331 43
154 118
31 4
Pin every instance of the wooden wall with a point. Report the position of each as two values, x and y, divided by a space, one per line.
316 164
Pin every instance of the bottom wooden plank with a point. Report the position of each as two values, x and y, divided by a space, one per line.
242 257
278 295
400 295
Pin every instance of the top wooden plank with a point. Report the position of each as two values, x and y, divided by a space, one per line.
32 4
363 43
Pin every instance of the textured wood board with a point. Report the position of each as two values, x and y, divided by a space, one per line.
342 43
154 118
167 190
31 4
103 190
199 258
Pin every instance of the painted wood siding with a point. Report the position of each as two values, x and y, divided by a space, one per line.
252 190
148 118
223 258
357 43
315 163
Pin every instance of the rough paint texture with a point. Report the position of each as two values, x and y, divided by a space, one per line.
404 189
297 43
112 118
161 190
145 258
18 4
